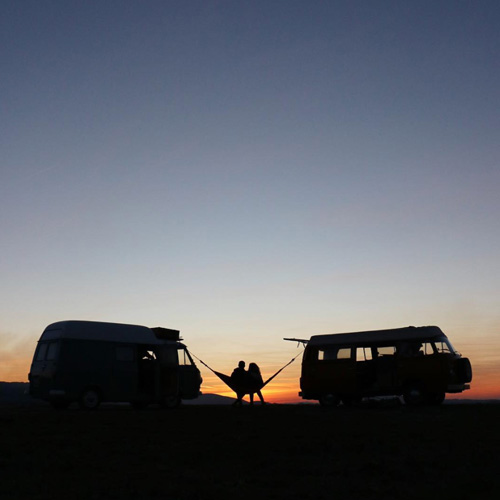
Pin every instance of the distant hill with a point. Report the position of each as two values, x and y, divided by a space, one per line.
14 392
17 393
210 399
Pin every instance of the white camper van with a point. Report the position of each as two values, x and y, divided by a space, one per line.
91 362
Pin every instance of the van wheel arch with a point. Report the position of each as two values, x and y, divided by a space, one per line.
90 398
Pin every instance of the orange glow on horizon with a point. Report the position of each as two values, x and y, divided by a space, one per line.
284 388
485 385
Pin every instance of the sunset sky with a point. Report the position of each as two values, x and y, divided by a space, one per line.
245 171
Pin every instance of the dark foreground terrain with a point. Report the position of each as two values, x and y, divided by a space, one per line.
276 451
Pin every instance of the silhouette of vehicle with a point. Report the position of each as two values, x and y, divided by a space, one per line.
92 362
417 363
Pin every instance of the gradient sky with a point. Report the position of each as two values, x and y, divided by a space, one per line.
247 171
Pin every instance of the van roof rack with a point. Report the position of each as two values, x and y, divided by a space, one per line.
166 333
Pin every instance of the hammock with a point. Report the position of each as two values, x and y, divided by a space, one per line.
243 388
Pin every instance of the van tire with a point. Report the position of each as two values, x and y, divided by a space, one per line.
171 402
90 399
414 395
329 400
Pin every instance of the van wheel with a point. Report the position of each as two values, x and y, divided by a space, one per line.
414 395
171 402
329 401
90 399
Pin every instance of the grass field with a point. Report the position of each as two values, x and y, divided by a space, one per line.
271 452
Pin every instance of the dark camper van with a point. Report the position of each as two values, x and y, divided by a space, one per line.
91 362
418 363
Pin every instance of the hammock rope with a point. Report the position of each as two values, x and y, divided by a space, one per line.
235 386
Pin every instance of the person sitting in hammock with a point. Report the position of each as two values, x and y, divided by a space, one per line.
239 382
243 382
255 382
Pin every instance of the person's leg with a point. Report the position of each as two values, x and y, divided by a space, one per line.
260 397
239 399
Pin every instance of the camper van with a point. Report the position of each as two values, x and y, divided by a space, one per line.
417 363
91 362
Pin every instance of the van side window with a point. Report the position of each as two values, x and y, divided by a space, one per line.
124 353
344 353
442 347
184 359
414 349
327 354
386 350
52 351
334 353
42 350
363 354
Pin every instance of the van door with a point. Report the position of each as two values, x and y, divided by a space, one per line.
189 375
385 369
169 371
150 372
424 365
333 371
125 373
366 374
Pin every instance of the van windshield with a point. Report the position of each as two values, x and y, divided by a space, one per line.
47 351
443 345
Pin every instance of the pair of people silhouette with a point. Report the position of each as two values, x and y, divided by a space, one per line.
247 382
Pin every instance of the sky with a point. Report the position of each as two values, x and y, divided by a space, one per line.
249 171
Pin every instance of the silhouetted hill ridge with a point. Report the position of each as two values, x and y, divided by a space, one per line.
17 392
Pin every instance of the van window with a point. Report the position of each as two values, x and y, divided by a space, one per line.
414 349
386 350
52 351
363 354
334 353
124 353
344 353
42 350
326 355
443 347
184 358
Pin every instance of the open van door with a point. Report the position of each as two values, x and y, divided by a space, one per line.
189 375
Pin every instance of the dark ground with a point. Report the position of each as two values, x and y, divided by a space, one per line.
271 452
